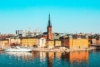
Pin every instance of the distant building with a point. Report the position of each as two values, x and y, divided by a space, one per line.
19 33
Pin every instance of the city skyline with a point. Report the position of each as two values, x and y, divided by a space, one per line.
68 16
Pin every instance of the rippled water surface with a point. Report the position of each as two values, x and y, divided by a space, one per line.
50 59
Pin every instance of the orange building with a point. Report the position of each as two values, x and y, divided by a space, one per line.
78 43
75 43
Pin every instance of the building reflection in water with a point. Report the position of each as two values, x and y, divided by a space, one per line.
53 59
50 56
79 58
42 56
58 55
74 59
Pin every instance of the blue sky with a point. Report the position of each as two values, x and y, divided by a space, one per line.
69 16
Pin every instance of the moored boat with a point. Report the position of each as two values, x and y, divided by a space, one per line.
18 49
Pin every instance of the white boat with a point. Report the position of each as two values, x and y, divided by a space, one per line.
18 49
18 54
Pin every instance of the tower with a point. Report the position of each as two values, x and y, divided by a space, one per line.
49 30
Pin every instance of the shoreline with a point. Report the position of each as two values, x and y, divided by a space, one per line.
61 50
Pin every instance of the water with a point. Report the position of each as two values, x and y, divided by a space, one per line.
50 59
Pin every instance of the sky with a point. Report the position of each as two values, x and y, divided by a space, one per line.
67 16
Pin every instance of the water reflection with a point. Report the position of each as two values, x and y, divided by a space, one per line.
50 56
42 56
44 59
75 59
72 59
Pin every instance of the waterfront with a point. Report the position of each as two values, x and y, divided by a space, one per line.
50 59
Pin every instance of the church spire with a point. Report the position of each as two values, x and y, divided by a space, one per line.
49 23
49 29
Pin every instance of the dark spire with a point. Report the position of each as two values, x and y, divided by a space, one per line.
49 23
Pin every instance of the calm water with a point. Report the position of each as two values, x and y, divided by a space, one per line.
50 59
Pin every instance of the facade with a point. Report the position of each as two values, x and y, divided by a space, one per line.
78 43
49 30
41 42
4 43
28 41
57 43
15 41
53 43
50 43
75 43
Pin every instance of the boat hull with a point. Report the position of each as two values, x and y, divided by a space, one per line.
18 50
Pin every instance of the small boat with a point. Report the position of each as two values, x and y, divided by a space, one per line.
18 49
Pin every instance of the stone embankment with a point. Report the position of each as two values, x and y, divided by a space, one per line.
61 49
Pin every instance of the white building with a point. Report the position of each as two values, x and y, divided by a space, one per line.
41 42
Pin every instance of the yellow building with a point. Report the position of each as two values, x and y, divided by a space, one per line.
57 43
78 43
50 43
28 41
75 43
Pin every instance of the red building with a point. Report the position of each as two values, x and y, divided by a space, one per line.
49 30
